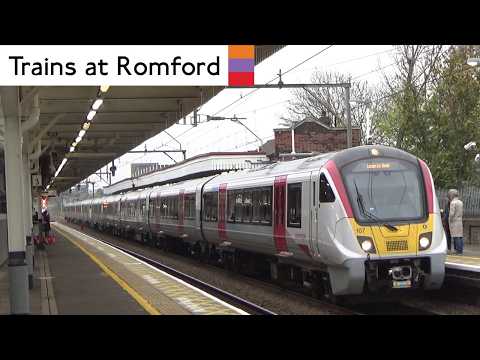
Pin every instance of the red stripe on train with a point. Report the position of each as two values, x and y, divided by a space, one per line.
279 202
338 182
427 181
222 199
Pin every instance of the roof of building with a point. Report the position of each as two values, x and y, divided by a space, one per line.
268 147
316 121
194 167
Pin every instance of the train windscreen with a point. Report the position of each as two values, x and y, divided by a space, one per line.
385 189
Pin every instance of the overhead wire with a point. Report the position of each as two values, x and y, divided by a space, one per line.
251 92
275 78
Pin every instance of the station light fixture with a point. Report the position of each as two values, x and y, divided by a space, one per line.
104 88
86 125
81 133
91 115
470 146
96 105
75 143
473 61
72 148
64 161
78 139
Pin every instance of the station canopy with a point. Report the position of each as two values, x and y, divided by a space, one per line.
128 116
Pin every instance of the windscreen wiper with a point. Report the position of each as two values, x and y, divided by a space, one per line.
369 214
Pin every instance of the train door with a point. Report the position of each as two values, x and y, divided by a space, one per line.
279 216
327 217
314 209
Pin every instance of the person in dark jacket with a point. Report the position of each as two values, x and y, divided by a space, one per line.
446 226
46 223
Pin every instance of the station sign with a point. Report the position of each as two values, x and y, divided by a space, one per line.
49 193
125 65
37 180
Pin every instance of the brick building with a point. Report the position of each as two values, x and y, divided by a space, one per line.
312 136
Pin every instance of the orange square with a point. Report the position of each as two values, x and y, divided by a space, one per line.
241 51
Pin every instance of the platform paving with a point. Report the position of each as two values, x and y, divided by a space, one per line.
81 287
158 292
469 261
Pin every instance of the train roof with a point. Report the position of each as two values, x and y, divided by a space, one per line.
340 158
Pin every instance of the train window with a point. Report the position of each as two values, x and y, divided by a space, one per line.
175 208
164 205
314 185
168 209
235 205
256 206
262 206
247 206
151 208
294 205
231 206
210 206
326 192
158 207
189 209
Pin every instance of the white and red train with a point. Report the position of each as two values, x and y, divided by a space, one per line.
361 219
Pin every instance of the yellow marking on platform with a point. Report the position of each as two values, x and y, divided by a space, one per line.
198 303
460 257
132 292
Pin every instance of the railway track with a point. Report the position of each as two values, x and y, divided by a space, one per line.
145 254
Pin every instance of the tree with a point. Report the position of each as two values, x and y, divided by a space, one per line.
318 102
454 110
399 114
431 108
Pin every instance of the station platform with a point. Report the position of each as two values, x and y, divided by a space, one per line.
468 261
91 277
464 270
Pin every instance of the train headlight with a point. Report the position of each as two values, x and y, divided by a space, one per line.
425 241
366 244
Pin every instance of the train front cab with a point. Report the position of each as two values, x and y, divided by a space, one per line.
392 236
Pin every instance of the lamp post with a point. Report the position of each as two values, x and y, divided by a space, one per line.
367 103
472 145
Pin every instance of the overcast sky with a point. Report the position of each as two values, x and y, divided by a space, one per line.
264 108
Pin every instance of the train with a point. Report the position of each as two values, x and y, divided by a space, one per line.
360 220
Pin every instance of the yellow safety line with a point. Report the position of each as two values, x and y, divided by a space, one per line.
459 257
133 293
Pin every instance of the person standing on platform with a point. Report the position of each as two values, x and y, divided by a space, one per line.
446 226
455 220
45 224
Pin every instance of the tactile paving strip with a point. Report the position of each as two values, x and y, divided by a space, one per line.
170 296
